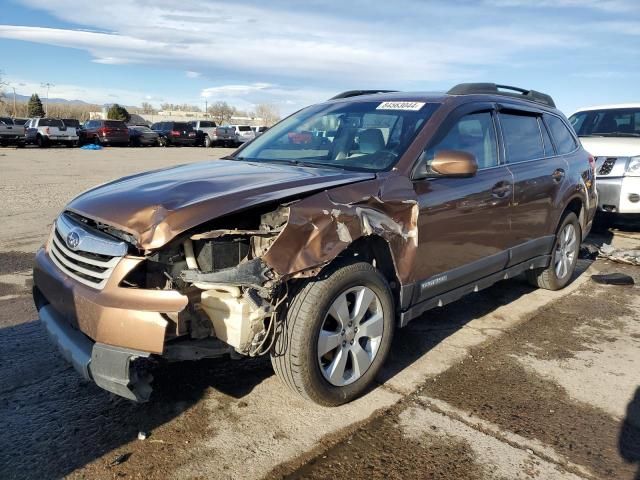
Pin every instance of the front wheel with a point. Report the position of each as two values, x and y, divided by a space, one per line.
337 334
564 256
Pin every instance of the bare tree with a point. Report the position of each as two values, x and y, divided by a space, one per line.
268 113
184 107
2 85
148 109
222 112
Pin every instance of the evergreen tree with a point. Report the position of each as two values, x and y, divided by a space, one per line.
118 112
35 106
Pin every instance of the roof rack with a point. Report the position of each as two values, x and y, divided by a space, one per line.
356 93
492 88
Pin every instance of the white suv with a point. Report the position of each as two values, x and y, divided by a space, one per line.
611 133
244 133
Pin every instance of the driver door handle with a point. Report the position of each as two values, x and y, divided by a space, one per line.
558 174
501 189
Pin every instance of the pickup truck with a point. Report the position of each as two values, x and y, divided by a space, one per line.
210 135
11 133
46 131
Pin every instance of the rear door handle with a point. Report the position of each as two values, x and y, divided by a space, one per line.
558 174
501 189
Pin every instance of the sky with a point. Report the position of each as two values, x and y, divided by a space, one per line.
292 54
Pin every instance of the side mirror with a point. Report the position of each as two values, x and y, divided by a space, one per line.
447 163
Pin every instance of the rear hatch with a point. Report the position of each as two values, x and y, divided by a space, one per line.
56 128
225 133
183 130
115 129
246 132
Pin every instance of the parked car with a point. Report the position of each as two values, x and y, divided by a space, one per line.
315 252
244 133
11 133
212 135
260 130
50 131
612 134
140 135
175 133
105 132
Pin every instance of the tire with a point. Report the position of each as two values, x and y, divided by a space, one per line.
163 142
207 142
325 379
96 140
564 256
42 142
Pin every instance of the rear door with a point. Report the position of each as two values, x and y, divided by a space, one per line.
463 226
539 175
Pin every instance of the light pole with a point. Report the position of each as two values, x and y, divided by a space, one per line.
14 101
46 108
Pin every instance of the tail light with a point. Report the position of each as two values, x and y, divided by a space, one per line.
102 131
46 130
175 133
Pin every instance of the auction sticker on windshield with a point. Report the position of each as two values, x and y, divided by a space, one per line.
413 106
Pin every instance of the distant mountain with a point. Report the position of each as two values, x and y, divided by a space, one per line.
25 98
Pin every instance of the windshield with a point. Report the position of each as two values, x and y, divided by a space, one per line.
617 122
364 136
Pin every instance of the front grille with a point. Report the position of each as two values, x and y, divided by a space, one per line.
84 264
607 166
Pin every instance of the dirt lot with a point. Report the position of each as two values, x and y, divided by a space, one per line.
508 383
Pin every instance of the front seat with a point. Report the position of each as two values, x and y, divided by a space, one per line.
371 141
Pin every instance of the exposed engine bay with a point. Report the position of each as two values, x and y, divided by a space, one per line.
233 295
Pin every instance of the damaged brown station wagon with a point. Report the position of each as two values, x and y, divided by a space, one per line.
318 239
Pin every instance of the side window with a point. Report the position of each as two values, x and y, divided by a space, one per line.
474 133
546 139
564 140
521 137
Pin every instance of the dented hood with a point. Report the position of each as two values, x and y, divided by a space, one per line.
156 206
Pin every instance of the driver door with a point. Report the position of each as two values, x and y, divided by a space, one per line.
463 228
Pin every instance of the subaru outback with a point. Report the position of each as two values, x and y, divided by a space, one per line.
315 241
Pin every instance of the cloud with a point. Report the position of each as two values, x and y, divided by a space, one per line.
377 47
192 74
234 90
604 5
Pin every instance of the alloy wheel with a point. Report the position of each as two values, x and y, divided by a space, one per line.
566 251
350 335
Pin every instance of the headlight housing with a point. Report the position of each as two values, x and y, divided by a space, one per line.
633 167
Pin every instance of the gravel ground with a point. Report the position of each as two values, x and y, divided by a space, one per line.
508 383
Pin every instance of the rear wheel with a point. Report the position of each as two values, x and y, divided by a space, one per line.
41 141
207 141
564 256
337 334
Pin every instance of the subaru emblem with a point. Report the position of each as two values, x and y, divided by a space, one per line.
73 240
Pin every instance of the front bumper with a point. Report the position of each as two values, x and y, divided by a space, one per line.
111 368
619 195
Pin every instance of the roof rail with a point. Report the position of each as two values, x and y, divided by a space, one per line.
492 88
356 93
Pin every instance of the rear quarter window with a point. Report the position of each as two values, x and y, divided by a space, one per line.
562 137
